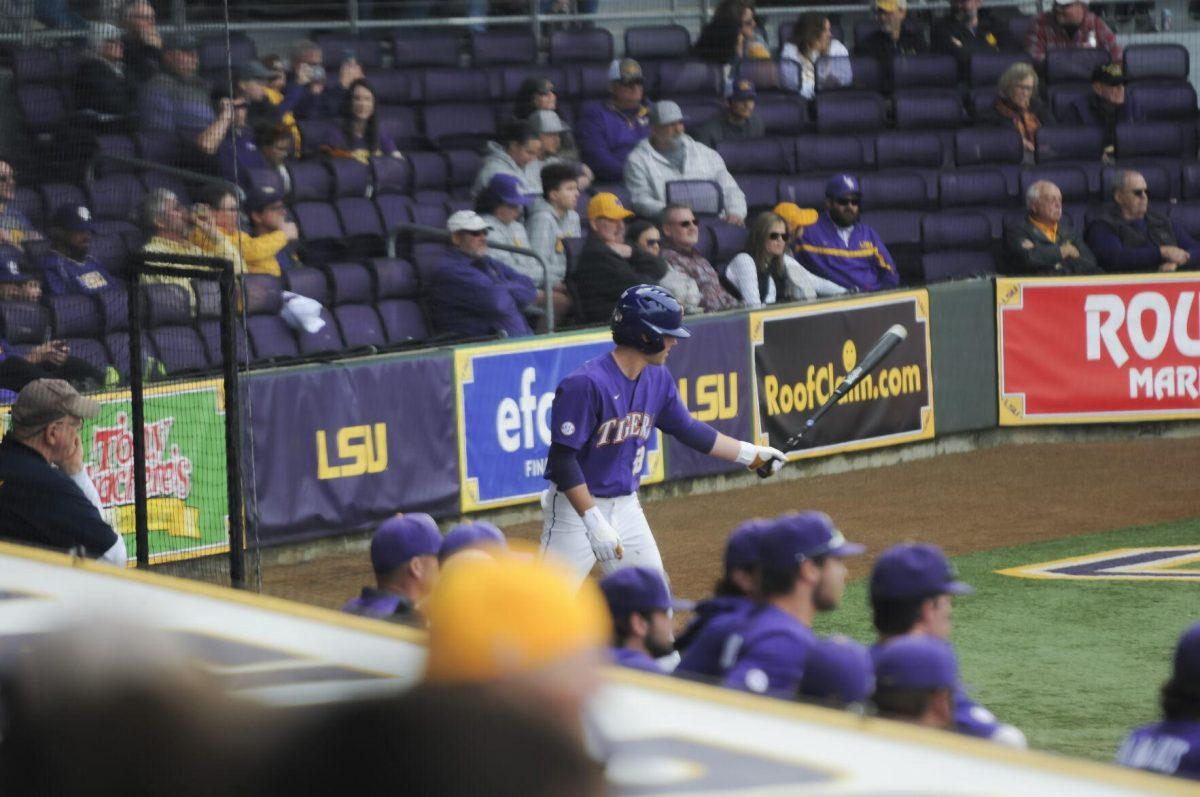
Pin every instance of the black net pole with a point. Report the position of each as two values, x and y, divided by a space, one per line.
138 421
233 432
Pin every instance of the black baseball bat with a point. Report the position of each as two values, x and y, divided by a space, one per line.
882 348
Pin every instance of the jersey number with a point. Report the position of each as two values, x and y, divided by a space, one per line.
638 460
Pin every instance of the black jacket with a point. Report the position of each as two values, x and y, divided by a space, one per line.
1027 250
953 37
599 279
99 88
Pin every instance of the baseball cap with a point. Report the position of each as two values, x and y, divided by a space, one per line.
889 6
1109 75
180 41
263 196
741 549
607 206
44 401
1187 655
494 618
471 535
253 70
510 189
795 216
914 570
665 112
841 186
916 661
466 221
838 669
101 32
639 589
742 90
74 218
547 122
399 539
794 537
1066 2
625 70
10 267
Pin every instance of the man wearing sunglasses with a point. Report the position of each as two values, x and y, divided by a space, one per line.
844 249
1128 236
46 496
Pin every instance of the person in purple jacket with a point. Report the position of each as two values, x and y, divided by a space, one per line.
911 592
801 574
915 679
1172 746
641 605
404 556
473 295
1128 236
66 268
844 249
608 130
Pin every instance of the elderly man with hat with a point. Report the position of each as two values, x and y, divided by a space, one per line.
896 36
608 130
1070 25
404 556
915 679
738 122
604 270
46 497
671 154
471 293
641 606
1104 108
176 100
841 247
1172 745
67 268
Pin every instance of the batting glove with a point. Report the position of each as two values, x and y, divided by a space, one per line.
754 457
605 542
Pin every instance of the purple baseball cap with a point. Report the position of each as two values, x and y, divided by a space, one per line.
471 535
841 186
74 218
10 266
510 189
401 538
790 539
639 589
838 669
914 570
741 549
916 661
1187 655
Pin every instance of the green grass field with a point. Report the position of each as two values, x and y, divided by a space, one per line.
1074 664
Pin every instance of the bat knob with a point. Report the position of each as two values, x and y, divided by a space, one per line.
765 471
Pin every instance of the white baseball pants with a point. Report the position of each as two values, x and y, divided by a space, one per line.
564 537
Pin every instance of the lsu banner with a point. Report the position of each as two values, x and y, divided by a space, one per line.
341 447
1098 349
801 355
505 392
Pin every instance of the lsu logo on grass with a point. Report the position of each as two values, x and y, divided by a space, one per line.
1174 563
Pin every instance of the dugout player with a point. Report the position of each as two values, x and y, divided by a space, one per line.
477 535
915 680
404 556
912 586
641 605
838 673
602 416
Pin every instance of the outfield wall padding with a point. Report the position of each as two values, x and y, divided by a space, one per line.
964 355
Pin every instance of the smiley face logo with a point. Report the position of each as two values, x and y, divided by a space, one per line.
849 355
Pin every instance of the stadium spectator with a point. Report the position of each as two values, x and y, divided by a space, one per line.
67 268
838 673
553 219
738 122
254 253
51 359
500 205
641 607
404 558
102 84
274 143
15 228
358 135
965 31
915 678
169 229
478 535
767 273
305 83
1070 25
533 95
1017 104
176 100
471 294
15 284
608 130
46 497
896 35
518 146
1128 236
229 138
671 154
801 574
681 233
268 219
843 248
797 219
603 271
551 132
645 239
1172 745
731 36
813 57
911 592
143 44
279 73
1044 242
1104 108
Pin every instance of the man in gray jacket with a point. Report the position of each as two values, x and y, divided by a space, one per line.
1044 242
517 147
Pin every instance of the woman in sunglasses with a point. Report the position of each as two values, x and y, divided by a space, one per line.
765 273
647 259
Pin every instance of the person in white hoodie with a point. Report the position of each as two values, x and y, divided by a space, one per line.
814 57
517 147
553 219
766 273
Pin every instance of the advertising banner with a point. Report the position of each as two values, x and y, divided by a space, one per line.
505 392
1098 349
801 355
712 373
336 448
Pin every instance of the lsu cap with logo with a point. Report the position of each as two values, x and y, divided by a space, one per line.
914 571
44 401
73 218
841 186
798 536
10 267
607 206
742 90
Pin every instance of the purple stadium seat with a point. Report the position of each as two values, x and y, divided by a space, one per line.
955 230
1191 181
1064 65
393 86
1166 101
35 64
90 350
429 172
395 278
728 240
429 213
924 72
320 230
364 231
310 282
454 85
866 75
210 333
1187 216
1019 27
117 344
849 112
1071 180
1063 95
114 309
180 349
24 322
697 110
367 50
311 180
215 55
426 257
1155 139
980 189
312 133
896 149
894 189
119 144
980 101
360 326
1157 62
587 81
393 209
763 73
987 145
351 283
166 305
459 124
574 46
681 78
391 175
758 155
350 177
985 69
1069 143
806 190
462 166
208 299
29 202
327 340
950 265
55 195
426 47
43 107
832 153
158 147
271 338
403 321
928 109
115 197
502 46
782 114
761 191
74 316
658 43
900 230
400 122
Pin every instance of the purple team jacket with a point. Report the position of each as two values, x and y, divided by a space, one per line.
863 264
1168 747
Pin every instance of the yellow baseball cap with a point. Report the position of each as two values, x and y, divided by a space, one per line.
795 216
607 206
492 619
888 6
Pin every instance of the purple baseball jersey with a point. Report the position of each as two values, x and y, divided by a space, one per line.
1168 747
704 640
636 660
381 605
766 653
608 418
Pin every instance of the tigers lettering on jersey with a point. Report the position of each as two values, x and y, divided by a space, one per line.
618 430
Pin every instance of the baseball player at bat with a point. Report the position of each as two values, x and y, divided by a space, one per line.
602 416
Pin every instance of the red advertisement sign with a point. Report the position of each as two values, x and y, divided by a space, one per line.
1098 349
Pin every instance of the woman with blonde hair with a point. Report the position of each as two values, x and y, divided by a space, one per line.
766 273
1016 104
